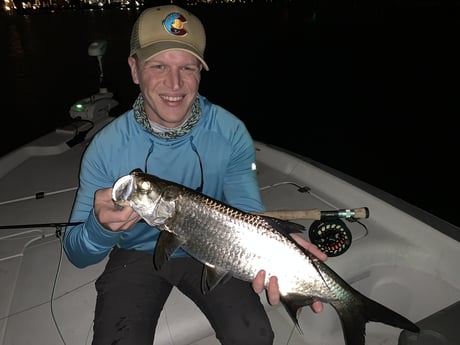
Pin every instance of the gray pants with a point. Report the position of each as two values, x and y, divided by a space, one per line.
131 295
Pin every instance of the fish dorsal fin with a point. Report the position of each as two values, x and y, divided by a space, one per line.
166 245
212 277
293 303
285 227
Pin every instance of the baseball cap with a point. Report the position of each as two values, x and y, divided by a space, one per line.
168 27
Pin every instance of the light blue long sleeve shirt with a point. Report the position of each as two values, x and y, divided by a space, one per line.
219 139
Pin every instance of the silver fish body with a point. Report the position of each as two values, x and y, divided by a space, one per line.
233 243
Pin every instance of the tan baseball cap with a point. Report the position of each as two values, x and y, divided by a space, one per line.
169 27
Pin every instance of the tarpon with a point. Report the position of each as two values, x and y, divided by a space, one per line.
233 243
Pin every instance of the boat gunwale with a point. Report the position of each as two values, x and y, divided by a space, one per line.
422 215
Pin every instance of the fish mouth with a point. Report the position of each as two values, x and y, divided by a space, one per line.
122 190
152 210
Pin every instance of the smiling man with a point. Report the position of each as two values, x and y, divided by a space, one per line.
177 134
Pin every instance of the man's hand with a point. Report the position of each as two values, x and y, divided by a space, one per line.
273 293
111 217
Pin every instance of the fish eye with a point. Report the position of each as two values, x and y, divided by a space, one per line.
145 186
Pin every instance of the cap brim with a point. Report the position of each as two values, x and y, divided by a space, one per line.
152 50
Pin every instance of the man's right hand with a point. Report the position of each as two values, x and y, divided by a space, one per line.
109 215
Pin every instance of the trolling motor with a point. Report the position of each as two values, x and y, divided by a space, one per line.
98 49
97 106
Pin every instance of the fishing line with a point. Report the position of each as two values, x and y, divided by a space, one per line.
290 335
53 290
56 277
301 189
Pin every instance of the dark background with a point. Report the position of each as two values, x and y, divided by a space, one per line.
370 88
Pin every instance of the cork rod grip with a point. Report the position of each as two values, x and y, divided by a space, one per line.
316 214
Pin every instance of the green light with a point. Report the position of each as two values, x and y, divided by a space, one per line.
79 106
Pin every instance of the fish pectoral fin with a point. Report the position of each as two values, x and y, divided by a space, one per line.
166 245
285 227
212 277
293 303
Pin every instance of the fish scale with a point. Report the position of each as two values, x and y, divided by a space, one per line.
234 243
221 239
212 242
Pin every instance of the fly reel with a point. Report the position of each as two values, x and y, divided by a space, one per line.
332 237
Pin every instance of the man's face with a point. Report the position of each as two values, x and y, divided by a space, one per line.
169 83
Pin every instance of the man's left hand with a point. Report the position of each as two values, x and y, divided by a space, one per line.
273 293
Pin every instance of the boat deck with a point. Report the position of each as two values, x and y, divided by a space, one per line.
394 258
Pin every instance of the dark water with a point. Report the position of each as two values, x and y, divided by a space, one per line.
372 90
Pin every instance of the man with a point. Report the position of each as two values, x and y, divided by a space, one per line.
177 134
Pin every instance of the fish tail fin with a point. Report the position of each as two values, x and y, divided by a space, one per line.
353 326
354 320
377 312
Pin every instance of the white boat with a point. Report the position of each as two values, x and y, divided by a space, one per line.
399 255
